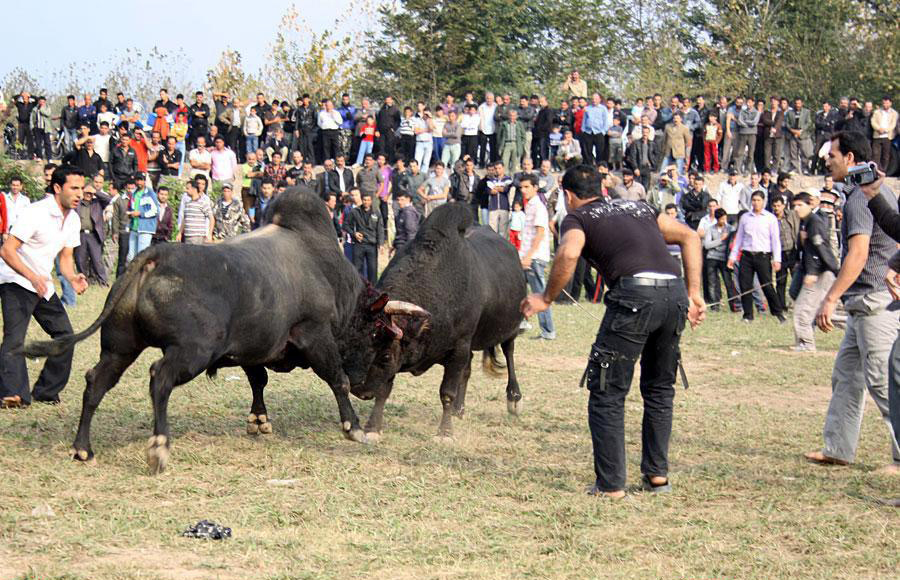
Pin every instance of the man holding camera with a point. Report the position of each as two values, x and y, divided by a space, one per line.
862 359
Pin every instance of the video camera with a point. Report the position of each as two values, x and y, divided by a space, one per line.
862 174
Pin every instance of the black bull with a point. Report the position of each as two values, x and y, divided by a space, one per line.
279 298
470 281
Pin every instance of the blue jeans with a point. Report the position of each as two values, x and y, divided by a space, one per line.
138 242
68 293
679 163
179 146
437 148
365 148
535 277
423 154
71 135
252 143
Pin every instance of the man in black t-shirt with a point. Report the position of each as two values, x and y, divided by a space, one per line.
647 305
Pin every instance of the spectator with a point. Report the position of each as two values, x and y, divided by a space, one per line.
89 253
164 224
144 213
498 186
230 218
436 189
616 148
423 128
569 152
789 232
758 243
364 227
773 121
123 162
407 222
800 127
266 194
387 120
252 130
120 224
678 143
198 220
487 131
730 193
574 85
470 122
534 251
695 203
41 121
511 140
642 156
884 128
223 163
368 132
629 188
715 242
87 159
516 225
464 184
594 125
329 123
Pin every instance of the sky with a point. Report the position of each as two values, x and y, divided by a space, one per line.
202 29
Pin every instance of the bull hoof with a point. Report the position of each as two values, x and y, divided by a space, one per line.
258 424
458 413
84 457
514 407
357 435
373 436
157 453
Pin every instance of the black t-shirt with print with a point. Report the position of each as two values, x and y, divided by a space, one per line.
622 238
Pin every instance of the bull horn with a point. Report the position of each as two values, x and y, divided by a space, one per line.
407 308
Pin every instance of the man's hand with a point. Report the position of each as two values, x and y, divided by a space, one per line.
637 172
40 285
823 316
776 266
696 310
358 236
893 283
872 190
730 264
208 239
533 304
79 283
526 263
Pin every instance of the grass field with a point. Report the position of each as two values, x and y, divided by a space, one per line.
504 500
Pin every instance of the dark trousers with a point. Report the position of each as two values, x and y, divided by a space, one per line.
19 305
123 253
365 260
407 147
40 143
759 263
469 147
788 262
331 143
89 257
594 150
387 144
640 322
582 278
644 177
713 270
306 144
25 136
486 142
881 153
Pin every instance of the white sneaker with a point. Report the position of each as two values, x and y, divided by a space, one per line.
525 325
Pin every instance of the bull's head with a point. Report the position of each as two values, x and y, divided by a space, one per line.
382 328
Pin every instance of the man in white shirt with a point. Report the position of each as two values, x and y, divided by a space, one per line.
44 230
730 193
200 159
329 127
101 144
487 130
16 202
534 250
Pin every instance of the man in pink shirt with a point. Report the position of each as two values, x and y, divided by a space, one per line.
224 162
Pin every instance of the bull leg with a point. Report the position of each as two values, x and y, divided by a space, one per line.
459 404
454 371
513 395
175 368
325 360
258 420
376 418
99 380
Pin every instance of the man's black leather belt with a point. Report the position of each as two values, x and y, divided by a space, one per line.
631 282
749 253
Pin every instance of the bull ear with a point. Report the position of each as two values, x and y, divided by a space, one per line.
407 308
379 303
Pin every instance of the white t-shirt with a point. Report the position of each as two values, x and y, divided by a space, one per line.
101 146
535 216
15 207
44 232
486 112
200 157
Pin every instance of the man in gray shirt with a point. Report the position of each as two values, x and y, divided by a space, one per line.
862 359
744 150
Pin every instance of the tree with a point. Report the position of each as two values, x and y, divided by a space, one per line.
228 76
305 61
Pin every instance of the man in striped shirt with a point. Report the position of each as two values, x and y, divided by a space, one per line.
197 225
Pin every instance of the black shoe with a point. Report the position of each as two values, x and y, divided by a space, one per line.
781 319
646 485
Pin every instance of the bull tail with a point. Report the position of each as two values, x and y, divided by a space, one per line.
490 364
135 273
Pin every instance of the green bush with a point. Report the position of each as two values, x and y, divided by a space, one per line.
9 169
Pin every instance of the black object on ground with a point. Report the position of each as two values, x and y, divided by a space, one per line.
207 530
